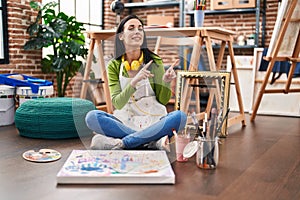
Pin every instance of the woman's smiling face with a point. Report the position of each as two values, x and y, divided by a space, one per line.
133 34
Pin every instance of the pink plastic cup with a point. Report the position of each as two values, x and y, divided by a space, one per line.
180 142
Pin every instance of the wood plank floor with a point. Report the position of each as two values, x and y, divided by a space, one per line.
259 161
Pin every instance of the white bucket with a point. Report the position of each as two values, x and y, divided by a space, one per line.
7 105
25 93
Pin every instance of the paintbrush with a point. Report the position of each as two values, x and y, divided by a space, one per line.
221 124
196 123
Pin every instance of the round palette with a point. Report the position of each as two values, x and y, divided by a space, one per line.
43 155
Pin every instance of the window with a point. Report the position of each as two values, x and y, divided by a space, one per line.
3 33
88 12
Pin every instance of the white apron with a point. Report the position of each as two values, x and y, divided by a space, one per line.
142 109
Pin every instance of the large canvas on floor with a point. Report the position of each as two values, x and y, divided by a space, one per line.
116 167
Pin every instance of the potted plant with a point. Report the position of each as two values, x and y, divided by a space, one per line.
64 35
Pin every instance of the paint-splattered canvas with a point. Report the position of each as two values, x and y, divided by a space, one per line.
116 167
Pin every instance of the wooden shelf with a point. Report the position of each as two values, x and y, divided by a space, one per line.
229 11
151 4
260 13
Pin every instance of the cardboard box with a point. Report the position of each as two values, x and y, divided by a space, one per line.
158 20
244 3
231 4
220 4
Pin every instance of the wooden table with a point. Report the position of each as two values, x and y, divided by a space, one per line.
203 35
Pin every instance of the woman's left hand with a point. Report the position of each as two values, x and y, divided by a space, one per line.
170 73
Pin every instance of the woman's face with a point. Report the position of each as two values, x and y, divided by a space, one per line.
133 34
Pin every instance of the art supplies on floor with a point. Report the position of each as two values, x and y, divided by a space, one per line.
116 167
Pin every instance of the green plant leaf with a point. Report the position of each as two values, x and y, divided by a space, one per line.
33 29
35 5
46 64
59 27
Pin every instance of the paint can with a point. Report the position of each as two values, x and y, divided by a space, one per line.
7 105
25 93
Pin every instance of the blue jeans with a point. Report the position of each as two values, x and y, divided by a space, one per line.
106 124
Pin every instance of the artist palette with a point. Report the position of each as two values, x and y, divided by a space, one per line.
43 155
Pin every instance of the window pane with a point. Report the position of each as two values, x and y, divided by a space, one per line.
82 11
92 28
68 7
96 12
48 1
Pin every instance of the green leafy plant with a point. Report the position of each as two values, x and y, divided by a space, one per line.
64 35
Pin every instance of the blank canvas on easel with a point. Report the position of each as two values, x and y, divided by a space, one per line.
291 33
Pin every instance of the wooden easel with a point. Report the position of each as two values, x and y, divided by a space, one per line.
215 66
288 20
108 107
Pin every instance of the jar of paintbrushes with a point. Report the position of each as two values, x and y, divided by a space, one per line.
206 144
207 155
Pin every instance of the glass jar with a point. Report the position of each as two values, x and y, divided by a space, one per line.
207 156
207 152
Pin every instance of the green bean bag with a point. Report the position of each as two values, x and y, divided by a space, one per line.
53 118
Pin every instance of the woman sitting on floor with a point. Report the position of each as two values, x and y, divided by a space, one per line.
140 88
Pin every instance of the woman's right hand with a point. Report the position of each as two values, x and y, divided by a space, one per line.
142 74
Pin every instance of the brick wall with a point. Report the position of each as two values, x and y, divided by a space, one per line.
28 62
21 61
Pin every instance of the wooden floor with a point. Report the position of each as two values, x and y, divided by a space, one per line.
259 161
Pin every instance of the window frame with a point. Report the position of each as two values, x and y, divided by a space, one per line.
4 45
88 25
